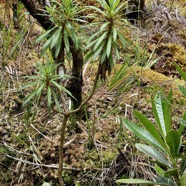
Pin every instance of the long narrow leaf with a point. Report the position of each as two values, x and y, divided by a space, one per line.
142 134
56 100
136 181
182 124
49 97
114 33
159 115
181 72
173 140
153 153
99 49
100 40
98 10
55 37
31 84
66 41
150 127
44 35
28 98
109 45
167 111
58 46
104 26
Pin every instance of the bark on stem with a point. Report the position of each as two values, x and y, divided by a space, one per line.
61 152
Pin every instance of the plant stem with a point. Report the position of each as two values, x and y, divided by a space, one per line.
65 119
61 152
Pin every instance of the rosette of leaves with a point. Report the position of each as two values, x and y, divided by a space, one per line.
106 37
45 84
64 15
162 143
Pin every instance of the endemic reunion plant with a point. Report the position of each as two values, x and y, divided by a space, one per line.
45 81
107 38
64 16
162 143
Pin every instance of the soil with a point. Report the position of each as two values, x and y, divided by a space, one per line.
100 150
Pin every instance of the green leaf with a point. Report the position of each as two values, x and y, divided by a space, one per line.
123 41
182 89
3 150
150 127
93 36
171 172
159 109
31 84
62 89
111 62
66 41
99 49
58 46
57 85
119 77
116 3
182 124
29 97
182 166
136 181
45 46
56 100
103 55
120 8
20 140
173 140
44 35
98 10
153 153
165 181
74 38
90 44
109 45
88 56
159 170
100 40
167 110
181 72
39 90
49 98
142 134
55 37
114 33
116 51
104 26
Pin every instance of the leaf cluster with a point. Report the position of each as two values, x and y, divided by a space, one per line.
45 82
64 15
107 38
163 143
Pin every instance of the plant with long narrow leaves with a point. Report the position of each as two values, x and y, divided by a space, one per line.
45 82
107 37
123 79
183 75
162 143
64 15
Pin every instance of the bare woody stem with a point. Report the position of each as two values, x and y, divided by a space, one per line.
63 127
61 152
